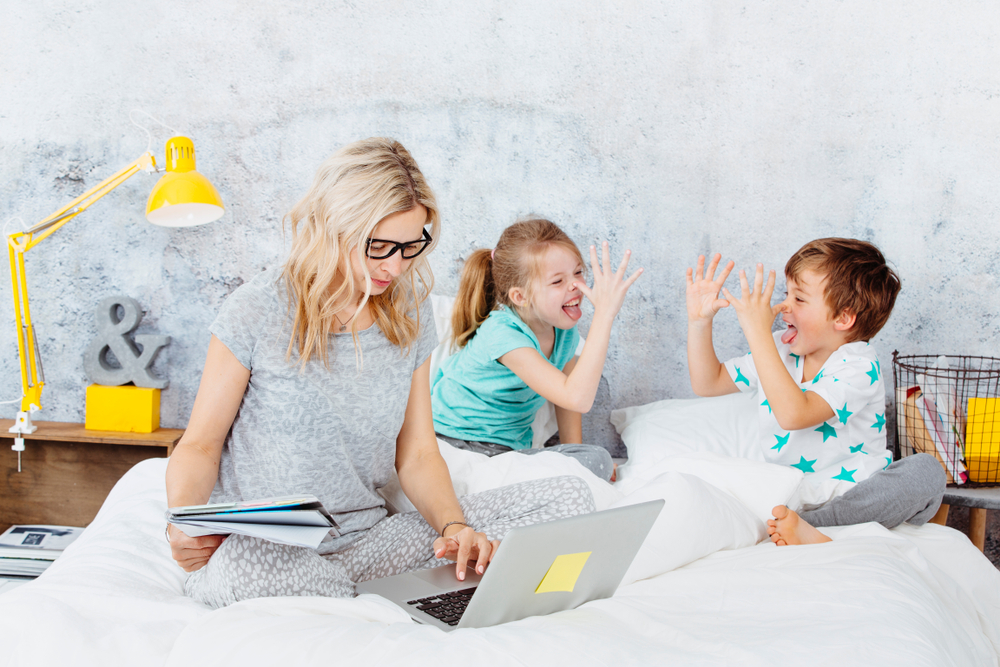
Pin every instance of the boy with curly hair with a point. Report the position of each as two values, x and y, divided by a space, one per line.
818 384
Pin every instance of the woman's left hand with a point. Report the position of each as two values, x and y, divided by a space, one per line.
463 546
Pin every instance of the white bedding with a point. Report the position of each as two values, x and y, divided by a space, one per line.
704 589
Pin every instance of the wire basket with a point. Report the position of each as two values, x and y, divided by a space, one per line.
949 407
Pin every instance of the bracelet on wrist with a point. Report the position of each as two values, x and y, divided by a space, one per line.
453 523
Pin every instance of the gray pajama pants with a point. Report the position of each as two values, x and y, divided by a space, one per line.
909 490
594 458
246 567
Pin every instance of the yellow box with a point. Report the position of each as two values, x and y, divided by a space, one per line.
982 440
130 409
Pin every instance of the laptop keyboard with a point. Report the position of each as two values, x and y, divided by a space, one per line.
447 607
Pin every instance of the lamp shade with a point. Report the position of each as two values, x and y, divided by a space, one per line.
183 197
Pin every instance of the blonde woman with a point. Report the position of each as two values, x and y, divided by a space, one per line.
316 381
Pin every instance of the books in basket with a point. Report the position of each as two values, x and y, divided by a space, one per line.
27 551
300 521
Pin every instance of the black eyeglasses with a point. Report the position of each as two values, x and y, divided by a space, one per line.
381 249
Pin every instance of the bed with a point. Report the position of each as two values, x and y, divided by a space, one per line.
707 587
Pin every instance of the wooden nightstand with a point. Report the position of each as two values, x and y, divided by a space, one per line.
979 501
67 471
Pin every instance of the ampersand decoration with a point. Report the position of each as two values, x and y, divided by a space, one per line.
113 334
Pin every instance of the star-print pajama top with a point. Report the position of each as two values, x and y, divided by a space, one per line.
851 445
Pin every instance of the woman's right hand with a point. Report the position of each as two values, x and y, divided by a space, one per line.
192 553
465 546
703 289
610 287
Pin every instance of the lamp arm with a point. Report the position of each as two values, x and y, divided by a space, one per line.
18 243
29 238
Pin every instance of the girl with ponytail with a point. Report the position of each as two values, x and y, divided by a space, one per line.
514 325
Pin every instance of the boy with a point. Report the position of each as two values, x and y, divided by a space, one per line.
818 383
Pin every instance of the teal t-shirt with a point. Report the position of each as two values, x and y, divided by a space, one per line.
475 397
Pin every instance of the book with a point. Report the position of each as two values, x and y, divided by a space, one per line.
299 521
918 435
27 551
941 411
942 437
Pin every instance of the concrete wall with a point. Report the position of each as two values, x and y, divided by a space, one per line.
673 128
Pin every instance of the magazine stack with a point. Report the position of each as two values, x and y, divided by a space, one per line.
27 551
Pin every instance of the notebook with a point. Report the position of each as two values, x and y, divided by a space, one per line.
537 570
300 521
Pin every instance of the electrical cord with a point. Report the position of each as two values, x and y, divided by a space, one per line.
149 135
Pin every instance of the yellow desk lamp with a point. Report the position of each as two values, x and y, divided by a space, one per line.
181 198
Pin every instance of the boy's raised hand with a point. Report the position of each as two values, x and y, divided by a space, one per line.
610 287
703 289
754 309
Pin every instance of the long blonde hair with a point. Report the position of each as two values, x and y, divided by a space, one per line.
489 275
354 190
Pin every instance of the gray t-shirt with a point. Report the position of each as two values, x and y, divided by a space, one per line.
326 432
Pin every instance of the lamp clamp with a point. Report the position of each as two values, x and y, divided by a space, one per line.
18 447
23 422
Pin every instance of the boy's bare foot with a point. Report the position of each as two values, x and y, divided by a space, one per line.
788 528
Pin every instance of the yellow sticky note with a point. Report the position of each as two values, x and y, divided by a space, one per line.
563 573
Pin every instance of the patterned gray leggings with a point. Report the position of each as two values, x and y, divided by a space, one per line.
247 567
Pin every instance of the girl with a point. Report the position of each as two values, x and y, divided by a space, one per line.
317 382
514 323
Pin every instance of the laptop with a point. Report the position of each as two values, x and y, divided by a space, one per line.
537 570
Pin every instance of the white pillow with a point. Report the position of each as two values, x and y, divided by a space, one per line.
697 520
696 436
441 305
758 486
724 425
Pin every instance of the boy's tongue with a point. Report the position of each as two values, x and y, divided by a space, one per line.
789 335
573 311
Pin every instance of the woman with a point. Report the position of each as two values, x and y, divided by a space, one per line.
316 381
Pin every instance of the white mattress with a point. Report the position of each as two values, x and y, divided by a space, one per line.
705 592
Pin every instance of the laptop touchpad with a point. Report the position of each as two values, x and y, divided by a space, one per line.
443 577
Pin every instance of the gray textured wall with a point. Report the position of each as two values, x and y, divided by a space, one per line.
672 128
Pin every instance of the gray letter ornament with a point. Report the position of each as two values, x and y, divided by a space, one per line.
113 333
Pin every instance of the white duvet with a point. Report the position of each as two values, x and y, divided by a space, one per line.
706 588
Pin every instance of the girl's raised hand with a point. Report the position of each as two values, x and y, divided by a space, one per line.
610 287
703 289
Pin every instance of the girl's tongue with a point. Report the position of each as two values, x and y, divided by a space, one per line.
573 311
789 335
